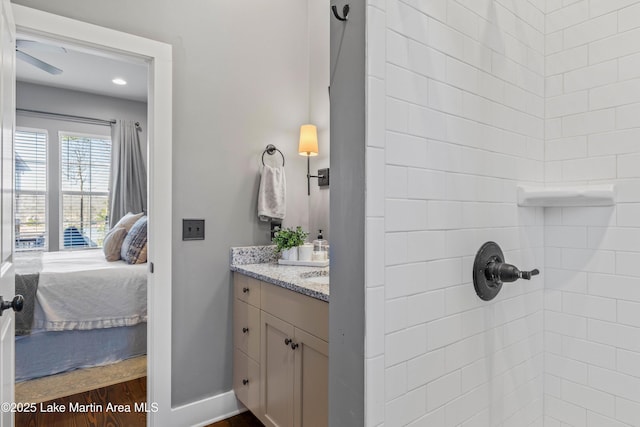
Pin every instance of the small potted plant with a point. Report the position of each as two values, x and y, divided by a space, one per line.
287 241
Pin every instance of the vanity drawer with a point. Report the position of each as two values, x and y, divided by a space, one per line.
247 289
246 328
246 380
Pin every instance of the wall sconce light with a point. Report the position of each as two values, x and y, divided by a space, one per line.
308 146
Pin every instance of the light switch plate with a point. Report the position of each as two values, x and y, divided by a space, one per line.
193 229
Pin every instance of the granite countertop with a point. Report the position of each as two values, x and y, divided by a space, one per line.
259 263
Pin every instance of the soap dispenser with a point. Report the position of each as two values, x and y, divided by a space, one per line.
320 248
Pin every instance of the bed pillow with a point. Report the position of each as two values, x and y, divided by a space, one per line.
134 247
112 244
128 220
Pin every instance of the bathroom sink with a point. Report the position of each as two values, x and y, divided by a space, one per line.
319 277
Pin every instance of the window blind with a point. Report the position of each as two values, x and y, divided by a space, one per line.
30 190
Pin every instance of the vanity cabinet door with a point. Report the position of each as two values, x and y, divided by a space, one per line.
277 371
311 387
246 329
246 380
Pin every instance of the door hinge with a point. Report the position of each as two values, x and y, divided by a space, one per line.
150 267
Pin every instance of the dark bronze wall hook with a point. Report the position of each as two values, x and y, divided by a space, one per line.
345 12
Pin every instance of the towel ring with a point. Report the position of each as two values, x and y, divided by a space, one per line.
270 150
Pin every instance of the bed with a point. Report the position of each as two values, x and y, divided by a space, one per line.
86 312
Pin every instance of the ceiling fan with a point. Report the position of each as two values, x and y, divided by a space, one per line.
20 54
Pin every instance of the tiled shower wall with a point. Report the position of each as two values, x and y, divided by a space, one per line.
455 120
592 296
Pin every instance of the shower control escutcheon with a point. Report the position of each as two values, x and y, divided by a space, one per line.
490 271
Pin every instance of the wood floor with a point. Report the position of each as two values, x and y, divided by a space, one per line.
98 408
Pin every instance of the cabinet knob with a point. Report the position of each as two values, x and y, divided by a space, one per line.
294 346
245 330
245 381
287 341
245 290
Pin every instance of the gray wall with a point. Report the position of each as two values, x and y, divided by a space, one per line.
36 97
346 309
240 82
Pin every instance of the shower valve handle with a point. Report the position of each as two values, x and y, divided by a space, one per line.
499 272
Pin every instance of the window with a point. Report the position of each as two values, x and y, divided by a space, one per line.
30 190
84 186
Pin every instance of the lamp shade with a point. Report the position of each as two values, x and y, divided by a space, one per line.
308 145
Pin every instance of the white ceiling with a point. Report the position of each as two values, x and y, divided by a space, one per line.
85 71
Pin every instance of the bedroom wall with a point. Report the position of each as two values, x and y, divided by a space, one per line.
240 82
36 97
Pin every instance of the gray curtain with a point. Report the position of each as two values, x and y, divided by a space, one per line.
128 173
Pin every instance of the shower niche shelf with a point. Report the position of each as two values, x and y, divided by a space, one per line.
577 195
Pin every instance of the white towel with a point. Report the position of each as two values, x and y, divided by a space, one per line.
272 193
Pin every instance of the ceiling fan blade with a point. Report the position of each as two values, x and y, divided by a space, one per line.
32 44
38 63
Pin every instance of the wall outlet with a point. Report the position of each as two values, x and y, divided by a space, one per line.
324 181
193 229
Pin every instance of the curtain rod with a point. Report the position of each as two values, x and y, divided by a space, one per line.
68 117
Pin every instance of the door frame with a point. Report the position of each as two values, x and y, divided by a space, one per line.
158 56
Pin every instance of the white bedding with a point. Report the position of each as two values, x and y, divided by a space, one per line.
80 290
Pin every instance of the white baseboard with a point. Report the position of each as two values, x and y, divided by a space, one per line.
207 411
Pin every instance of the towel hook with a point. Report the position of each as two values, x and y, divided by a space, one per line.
270 150
345 12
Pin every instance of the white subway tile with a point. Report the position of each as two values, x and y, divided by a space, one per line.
404 280
628 362
589 352
462 75
374 404
615 383
628 67
397 115
587 397
405 150
589 306
597 420
629 18
591 76
628 263
444 215
375 112
566 324
613 47
405 345
462 19
403 19
619 142
395 381
427 123
443 390
425 245
566 60
553 42
444 97
565 236
566 148
405 215
612 286
616 239
564 411
445 39
396 182
629 313
613 95
432 419
628 214
564 105
589 123
566 16
395 249
376 38
444 156
436 9
444 273
375 252
375 183
565 280
593 216
599 7
470 409
628 116
553 128
406 408
407 85
567 369
426 368
425 307
628 166
426 184
395 314
466 351
589 169
591 30
476 321
627 411
553 300
375 324
460 298
615 334
589 260
444 331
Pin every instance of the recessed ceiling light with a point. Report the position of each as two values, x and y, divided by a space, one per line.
119 81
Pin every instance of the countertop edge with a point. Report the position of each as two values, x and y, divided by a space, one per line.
283 284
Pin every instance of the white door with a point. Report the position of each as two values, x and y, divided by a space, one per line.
7 275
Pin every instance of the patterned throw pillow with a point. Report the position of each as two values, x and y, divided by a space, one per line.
112 244
134 247
128 220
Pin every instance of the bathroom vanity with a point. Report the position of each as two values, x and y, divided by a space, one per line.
281 333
